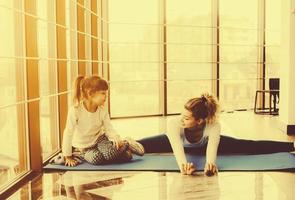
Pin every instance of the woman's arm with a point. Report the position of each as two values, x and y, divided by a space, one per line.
213 132
173 133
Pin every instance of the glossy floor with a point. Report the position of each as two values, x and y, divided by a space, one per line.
160 185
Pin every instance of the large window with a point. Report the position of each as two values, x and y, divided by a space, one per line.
47 77
71 46
186 40
134 52
238 53
12 132
189 51
13 152
272 38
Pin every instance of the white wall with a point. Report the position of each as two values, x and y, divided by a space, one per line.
287 87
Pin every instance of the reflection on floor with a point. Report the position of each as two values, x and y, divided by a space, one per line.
162 185
159 185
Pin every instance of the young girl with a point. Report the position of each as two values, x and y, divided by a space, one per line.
89 130
198 131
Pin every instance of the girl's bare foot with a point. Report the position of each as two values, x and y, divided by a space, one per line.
135 147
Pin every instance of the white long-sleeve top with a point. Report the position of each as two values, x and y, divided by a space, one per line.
83 128
176 135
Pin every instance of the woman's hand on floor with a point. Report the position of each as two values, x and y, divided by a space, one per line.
188 168
210 169
70 161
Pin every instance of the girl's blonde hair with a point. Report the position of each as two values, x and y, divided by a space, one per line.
205 107
86 86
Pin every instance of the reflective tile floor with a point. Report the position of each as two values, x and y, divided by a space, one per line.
159 185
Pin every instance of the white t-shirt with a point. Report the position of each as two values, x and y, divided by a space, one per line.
175 133
83 128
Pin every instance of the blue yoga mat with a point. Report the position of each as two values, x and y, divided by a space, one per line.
157 162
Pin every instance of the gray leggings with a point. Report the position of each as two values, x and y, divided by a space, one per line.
104 152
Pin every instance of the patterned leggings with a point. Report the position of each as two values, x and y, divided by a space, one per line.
104 152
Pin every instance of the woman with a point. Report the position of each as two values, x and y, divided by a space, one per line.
198 131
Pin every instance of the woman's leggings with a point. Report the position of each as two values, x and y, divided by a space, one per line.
227 145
